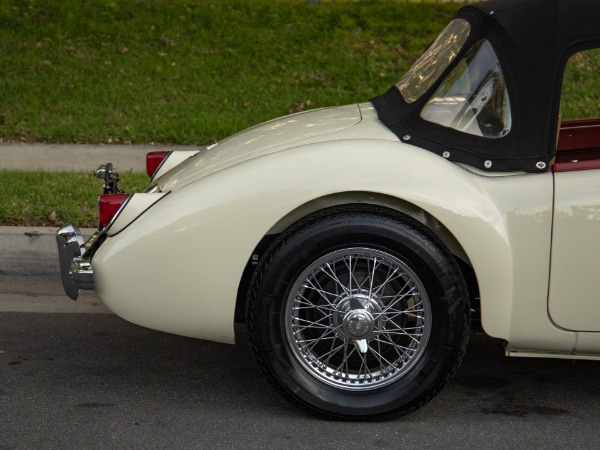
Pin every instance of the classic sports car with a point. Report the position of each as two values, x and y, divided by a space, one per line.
359 242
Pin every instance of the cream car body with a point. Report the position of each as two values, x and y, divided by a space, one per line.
263 183
357 241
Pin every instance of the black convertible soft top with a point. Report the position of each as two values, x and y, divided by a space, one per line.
533 40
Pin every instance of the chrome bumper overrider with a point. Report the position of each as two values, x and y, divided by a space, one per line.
75 269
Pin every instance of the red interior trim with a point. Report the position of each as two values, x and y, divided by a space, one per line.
578 145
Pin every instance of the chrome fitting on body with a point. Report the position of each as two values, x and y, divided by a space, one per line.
76 270
111 179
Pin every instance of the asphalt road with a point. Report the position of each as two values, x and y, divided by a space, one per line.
91 380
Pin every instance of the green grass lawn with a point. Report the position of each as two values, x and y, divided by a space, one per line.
55 199
183 72
580 96
192 72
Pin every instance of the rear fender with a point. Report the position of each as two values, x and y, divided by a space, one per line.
177 268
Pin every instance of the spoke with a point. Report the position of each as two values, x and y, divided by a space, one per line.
331 274
401 293
301 328
344 363
318 283
363 363
347 357
338 283
337 289
352 274
407 352
337 369
379 355
381 358
396 273
403 313
418 304
399 327
320 291
320 308
323 309
399 297
348 262
315 322
311 324
410 312
332 351
400 333
318 340
309 341
366 278
371 274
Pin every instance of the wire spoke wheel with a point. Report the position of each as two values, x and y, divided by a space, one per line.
358 319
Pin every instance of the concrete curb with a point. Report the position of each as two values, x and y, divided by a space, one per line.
30 251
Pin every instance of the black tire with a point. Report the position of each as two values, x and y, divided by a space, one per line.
371 346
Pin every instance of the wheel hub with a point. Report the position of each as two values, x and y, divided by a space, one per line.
357 316
358 324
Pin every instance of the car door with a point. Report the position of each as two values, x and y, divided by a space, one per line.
574 295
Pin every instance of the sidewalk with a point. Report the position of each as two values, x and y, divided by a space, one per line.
32 250
77 157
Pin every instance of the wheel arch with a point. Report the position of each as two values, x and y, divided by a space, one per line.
381 201
393 204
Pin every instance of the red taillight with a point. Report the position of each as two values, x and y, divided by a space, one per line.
153 161
108 205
